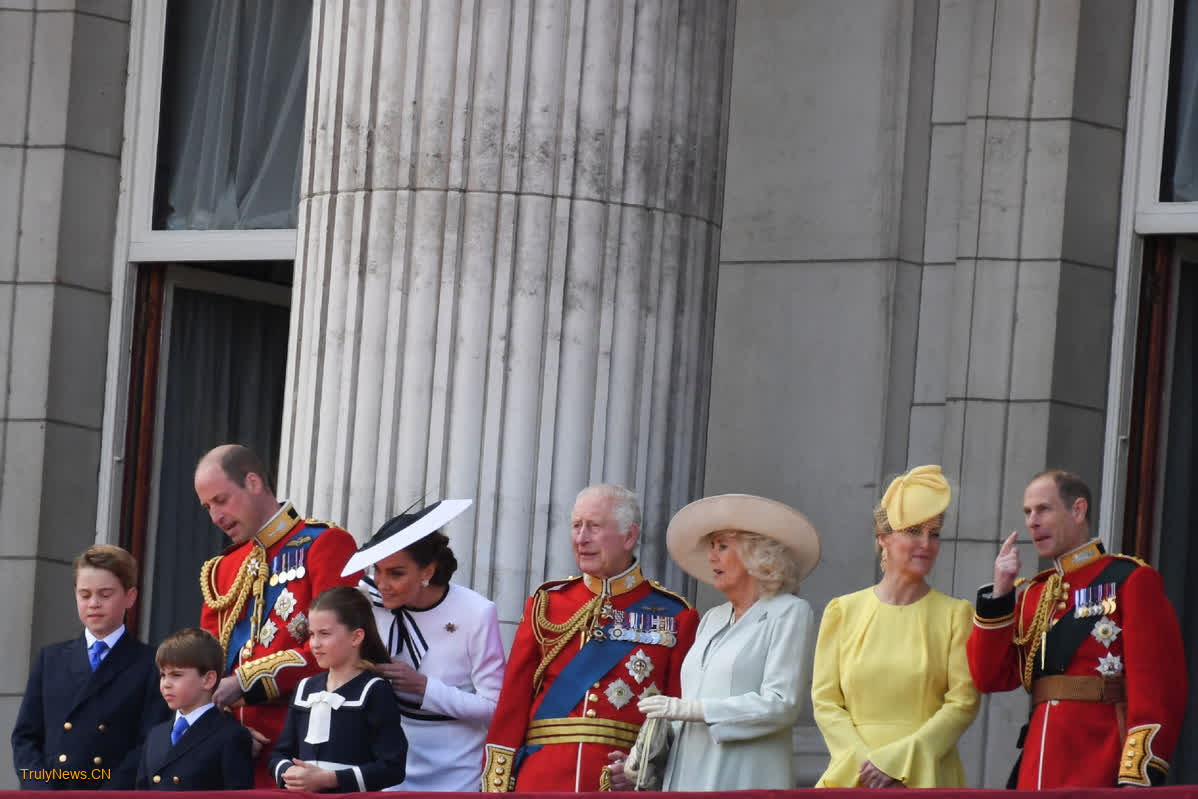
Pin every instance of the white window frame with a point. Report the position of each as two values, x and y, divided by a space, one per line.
136 242
1142 214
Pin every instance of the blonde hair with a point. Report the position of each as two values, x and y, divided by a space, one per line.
882 527
767 560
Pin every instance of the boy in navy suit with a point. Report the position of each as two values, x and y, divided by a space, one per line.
90 702
200 749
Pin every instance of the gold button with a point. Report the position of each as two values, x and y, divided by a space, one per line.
1062 605
1064 585
157 779
500 770
593 697
100 728
1127 763
97 760
62 758
496 782
67 726
591 713
1056 702
596 685
175 780
501 760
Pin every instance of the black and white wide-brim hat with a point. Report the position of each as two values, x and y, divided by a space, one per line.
404 530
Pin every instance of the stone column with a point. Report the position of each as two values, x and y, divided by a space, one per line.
509 227
61 115
1035 110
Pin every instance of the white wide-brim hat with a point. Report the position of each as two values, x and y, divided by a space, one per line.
403 531
744 512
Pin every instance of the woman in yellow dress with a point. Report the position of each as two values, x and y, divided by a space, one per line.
891 688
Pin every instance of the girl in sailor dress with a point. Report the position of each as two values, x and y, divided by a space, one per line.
343 731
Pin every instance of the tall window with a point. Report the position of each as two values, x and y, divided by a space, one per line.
213 166
234 75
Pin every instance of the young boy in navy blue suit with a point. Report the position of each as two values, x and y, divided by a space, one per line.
91 701
200 748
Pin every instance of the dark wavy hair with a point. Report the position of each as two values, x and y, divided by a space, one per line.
434 548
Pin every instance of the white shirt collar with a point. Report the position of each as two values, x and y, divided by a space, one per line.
109 639
194 715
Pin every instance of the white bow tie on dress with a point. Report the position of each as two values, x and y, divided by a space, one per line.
320 712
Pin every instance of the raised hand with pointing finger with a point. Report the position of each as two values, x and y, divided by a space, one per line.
1006 566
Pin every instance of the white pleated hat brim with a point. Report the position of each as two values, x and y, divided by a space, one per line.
745 512
443 514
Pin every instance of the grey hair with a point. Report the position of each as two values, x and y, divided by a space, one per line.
768 561
625 507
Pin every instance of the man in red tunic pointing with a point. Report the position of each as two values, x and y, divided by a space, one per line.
1094 640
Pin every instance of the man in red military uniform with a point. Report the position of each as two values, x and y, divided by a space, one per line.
1093 639
257 592
587 649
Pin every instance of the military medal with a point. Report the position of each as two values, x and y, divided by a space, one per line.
1105 631
300 569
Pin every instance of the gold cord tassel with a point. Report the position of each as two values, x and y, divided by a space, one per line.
1037 631
249 580
552 645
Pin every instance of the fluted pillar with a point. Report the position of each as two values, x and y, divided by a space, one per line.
509 230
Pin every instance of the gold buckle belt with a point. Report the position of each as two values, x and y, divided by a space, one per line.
1079 689
608 732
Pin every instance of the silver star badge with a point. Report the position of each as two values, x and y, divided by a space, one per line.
1105 631
268 632
298 627
285 604
1110 665
618 693
639 666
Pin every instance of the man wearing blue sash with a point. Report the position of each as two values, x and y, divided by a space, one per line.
587 650
257 592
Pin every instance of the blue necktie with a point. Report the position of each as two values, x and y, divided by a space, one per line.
95 654
178 730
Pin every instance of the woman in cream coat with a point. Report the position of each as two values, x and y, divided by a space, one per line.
745 678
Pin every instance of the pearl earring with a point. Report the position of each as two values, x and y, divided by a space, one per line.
424 583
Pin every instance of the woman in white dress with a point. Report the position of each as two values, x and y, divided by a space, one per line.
447 656
745 677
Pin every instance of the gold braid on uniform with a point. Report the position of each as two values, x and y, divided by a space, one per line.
551 646
246 582
1033 639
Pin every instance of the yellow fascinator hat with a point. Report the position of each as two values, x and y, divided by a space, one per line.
915 497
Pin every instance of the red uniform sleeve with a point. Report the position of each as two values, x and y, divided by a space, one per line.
512 712
688 625
991 650
1155 671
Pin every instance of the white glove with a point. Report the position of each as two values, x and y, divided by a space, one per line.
673 708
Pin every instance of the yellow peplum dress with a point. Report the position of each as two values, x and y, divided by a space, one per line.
891 685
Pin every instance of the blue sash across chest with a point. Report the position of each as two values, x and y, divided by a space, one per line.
594 660
241 630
